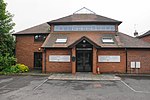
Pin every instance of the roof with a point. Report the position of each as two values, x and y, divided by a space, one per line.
84 18
42 28
81 39
74 18
121 40
131 42
145 34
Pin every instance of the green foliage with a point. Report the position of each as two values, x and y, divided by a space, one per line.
7 43
22 67
6 61
18 68
14 69
6 25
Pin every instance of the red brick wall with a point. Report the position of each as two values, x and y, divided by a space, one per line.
112 67
146 38
142 56
25 48
58 66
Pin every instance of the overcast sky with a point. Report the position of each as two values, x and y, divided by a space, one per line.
135 14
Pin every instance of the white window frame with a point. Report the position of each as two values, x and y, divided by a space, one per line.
61 40
107 40
135 64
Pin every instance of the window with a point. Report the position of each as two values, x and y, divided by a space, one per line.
40 38
63 40
84 28
108 40
135 64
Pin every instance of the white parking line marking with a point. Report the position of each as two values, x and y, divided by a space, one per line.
128 85
40 84
142 92
133 88
11 83
6 80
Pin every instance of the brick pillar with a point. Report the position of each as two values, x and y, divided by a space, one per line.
94 60
52 28
43 61
73 63
116 27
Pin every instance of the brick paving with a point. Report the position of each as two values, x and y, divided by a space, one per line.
82 76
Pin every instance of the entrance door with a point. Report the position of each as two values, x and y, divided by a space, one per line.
38 60
84 60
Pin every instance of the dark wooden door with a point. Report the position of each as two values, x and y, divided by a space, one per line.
84 60
38 60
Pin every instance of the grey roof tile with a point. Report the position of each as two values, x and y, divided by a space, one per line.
145 34
132 42
121 40
42 28
75 18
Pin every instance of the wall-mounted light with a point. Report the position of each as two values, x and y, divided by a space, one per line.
39 49
84 41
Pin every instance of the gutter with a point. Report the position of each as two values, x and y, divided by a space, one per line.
44 60
126 59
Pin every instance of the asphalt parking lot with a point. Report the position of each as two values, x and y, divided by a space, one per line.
40 88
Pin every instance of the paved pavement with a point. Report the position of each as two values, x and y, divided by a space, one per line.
83 76
41 88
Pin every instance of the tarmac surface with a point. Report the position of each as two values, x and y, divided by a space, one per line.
40 87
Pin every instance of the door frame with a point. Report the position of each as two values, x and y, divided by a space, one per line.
90 50
37 68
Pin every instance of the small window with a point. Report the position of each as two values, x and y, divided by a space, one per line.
108 40
64 40
40 38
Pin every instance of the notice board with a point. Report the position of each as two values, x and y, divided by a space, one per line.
59 58
108 58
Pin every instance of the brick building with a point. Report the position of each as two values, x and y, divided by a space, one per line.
80 43
145 37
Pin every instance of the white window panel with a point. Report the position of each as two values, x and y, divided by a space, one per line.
132 64
135 65
107 40
138 65
61 40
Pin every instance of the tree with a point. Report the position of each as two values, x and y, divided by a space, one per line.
6 26
7 43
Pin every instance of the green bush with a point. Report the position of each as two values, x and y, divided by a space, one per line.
18 68
22 67
6 61
14 69
7 70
